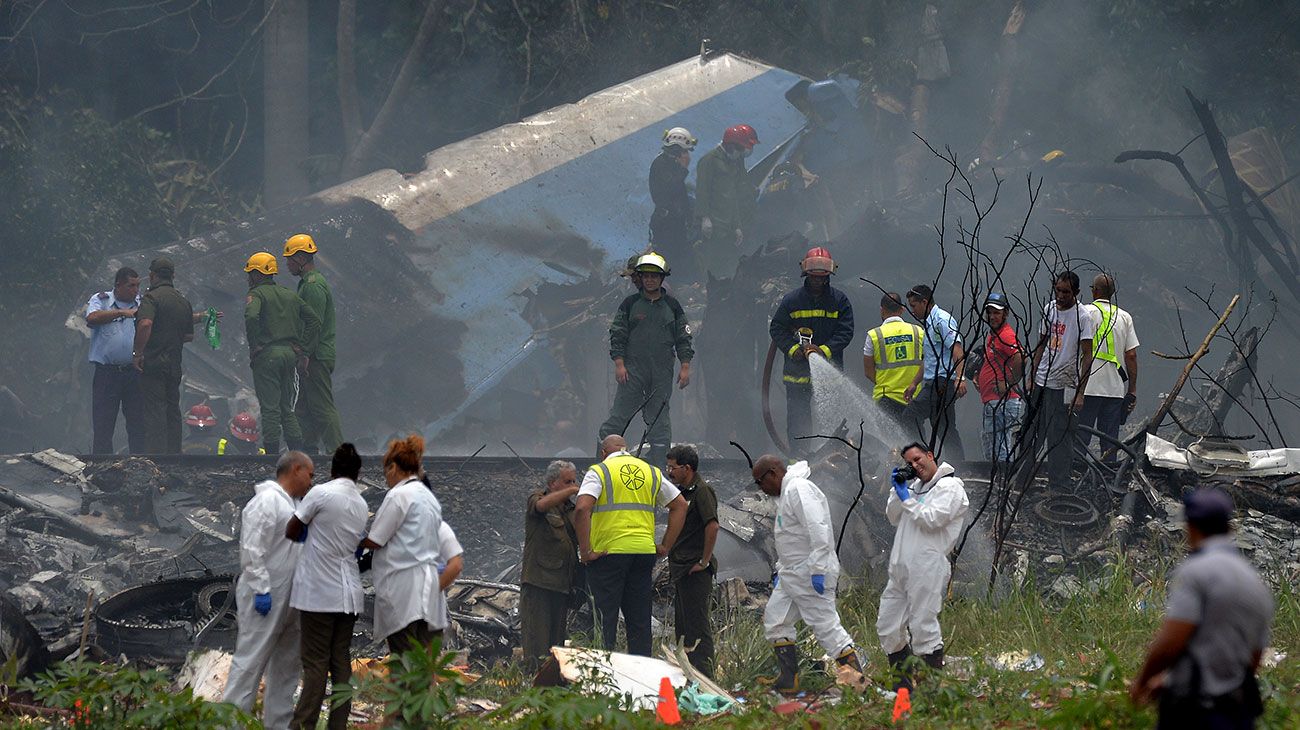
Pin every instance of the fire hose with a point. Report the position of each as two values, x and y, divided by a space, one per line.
765 392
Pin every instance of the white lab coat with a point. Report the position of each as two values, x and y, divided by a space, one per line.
405 569
929 524
805 546
266 644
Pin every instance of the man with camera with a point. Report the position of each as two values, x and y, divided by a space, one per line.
927 504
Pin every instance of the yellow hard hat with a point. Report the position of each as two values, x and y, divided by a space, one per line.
263 262
300 243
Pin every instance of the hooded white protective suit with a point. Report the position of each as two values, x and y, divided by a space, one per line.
267 644
929 523
805 546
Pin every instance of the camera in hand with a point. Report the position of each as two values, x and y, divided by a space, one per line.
907 472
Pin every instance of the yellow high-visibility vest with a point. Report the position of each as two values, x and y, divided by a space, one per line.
896 350
623 520
1104 348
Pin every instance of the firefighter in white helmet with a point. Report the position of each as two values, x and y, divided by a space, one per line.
670 223
648 329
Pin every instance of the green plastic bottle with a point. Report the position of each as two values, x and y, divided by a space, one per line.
212 329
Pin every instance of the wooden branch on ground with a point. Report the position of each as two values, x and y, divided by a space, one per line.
1168 403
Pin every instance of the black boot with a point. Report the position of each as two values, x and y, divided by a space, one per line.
898 670
787 660
934 660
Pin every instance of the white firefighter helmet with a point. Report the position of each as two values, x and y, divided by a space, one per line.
679 137
652 263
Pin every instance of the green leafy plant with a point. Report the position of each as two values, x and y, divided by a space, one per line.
419 691
115 697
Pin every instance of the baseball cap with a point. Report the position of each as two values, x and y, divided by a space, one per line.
162 266
1207 504
996 299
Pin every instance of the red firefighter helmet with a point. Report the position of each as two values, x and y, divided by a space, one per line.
817 261
742 135
244 427
201 416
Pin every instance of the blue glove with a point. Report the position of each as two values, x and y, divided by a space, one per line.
776 579
262 603
819 584
302 536
361 548
900 486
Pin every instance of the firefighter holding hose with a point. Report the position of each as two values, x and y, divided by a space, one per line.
815 320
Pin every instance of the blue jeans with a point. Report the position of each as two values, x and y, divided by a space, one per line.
1001 423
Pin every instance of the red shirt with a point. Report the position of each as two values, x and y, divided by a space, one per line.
999 348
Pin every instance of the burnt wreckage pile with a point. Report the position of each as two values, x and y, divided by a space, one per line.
134 557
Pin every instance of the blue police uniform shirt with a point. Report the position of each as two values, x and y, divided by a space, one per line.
110 344
940 335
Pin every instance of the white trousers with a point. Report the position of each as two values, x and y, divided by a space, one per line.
267 646
794 599
912 600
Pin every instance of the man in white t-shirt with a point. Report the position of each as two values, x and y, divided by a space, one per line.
1062 363
1112 387
327 593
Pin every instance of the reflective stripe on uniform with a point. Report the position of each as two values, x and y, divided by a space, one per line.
1105 350
221 447
623 520
796 379
813 313
896 349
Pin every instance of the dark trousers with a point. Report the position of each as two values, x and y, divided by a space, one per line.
415 635
623 582
649 386
901 414
1052 428
326 645
160 396
116 387
798 418
936 402
544 619
1103 414
1174 716
692 604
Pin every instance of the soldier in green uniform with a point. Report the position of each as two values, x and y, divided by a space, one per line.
316 413
725 201
691 564
550 561
164 322
648 328
281 331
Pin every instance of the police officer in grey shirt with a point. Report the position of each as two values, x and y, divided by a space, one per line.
1202 661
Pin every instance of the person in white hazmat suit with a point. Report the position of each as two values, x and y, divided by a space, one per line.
268 627
928 511
807 570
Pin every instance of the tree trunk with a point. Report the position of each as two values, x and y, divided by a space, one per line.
1006 74
286 108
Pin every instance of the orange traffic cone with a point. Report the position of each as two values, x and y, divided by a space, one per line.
902 704
666 710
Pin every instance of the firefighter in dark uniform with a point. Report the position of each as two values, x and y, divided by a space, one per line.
163 324
647 329
282 330
815 320
317 415
670 225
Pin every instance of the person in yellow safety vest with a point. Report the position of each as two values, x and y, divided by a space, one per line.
1111 393
891 357
615 525
244 428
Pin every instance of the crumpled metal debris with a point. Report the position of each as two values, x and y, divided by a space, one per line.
1017 661
616 674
